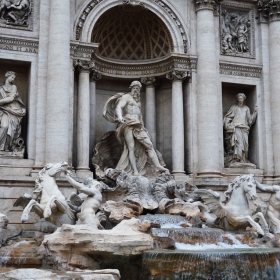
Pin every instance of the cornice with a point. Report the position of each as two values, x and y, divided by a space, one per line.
147 68
252 71
21 44
82 50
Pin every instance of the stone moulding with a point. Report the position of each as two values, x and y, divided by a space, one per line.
92 4
28 27
19 44
157 67
241 70
239 8
83 51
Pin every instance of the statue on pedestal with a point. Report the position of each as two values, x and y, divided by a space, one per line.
12 110
237 124
131 141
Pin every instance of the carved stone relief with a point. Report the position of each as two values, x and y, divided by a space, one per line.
268 10
237 31
16 14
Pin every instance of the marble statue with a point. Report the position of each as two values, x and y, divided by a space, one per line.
15 12
12 110
237 124
125 110
273 209
3 221
92 200
47 200
234 213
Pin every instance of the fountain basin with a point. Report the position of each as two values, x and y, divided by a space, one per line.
228 264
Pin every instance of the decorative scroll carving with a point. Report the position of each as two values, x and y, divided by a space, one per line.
132 3
237 36
83 65
172 14
177 75
207 4
19 45
149 68
268 10
16 14
240 70
95 76
148 81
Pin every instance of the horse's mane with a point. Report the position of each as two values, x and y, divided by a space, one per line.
236 183
37 192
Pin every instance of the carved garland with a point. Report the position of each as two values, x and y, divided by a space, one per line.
94 3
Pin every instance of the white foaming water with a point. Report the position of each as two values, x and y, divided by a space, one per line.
171 226
203 246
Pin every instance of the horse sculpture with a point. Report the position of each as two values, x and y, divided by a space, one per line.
47 200
234 213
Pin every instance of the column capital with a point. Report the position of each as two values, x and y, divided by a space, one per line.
268 10
206 4
176 75
148 81
95 76
83 65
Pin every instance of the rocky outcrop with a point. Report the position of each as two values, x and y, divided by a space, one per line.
84 247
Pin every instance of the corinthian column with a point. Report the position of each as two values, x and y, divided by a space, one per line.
83 117
209 99
58 77
270 12
150 106
177 78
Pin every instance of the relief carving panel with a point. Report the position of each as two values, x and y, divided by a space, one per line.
237 31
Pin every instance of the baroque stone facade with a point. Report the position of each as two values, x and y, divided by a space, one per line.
192 57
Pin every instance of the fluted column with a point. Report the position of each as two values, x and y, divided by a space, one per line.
58 77
83 117
270 12
178 163
94 77
150 106
209 108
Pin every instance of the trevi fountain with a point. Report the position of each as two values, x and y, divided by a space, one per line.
139 139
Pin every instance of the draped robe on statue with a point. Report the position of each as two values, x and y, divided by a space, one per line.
11 114
237 123
139 133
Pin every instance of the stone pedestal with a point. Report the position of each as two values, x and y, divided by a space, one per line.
209 100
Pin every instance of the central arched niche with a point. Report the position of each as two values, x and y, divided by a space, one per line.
131 33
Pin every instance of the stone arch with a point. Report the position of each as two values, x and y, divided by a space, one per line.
93 10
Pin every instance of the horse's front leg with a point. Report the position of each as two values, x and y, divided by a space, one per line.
260 216
61 206
249 219
37 207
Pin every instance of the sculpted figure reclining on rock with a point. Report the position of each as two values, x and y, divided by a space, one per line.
125 110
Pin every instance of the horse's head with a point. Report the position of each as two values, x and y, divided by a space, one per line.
249 186
55 169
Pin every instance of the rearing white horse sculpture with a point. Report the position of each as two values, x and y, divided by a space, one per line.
47 200
234 213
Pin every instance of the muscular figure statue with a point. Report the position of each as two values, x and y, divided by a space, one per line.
125 111
91 204
273 210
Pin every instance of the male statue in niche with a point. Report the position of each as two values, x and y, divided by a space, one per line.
125 110
12 110
237 124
